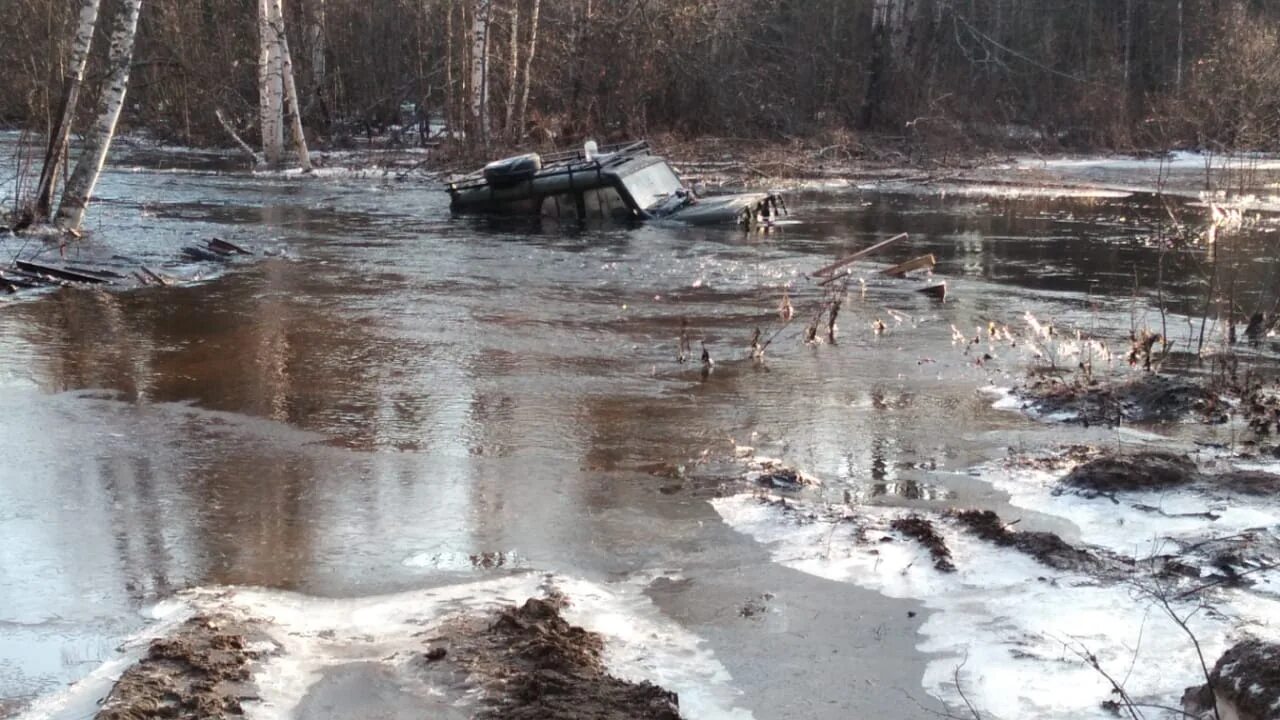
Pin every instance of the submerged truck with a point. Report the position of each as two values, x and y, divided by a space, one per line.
619 182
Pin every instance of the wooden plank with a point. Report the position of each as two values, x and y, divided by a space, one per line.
920 263
156 276
201 255
22 280
848 259
227 248
938 291
57 272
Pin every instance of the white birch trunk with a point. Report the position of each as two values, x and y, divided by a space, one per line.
270 87
290 87
480 67
75 198
528 65
60 133
513 70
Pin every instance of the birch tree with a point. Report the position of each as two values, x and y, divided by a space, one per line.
277 88
528 66
270 87
60 133
290 87
75 198
481 18
513 68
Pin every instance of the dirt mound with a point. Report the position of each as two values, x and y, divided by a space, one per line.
199 671
1148 398
1131 472
1245 682
1247 482
536 666
923 532
1046 547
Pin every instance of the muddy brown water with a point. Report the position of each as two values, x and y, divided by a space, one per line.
399 390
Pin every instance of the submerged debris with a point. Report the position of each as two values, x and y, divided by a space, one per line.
1136 471
534 665
199 671
1148 398
921 530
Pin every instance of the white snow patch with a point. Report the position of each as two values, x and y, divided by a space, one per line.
1014 625
309 635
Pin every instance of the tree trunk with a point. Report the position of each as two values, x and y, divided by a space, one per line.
528 66
1177 82
75 197
270 87
480 68
316 44
290 88
878 67
513 70
60 133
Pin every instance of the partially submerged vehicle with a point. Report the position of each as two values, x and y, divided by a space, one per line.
618 182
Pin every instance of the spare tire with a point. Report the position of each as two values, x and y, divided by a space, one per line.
509 171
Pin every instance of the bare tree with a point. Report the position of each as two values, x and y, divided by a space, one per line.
270 86
60 134
75 198
481 18
531 48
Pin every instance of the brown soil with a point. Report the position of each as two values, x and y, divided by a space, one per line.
921 529
1055 460
1046 547
1148 398
199 671
534 665
1130 472
1247 482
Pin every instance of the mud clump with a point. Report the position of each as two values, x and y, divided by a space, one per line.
1046 547
201 670
1131 472
534 665
1245 684
1149 398
922 531
1247 482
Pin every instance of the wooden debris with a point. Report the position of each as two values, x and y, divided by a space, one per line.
224 247
938 291
201 255
920 263
157 277
59 273
826 272
21 280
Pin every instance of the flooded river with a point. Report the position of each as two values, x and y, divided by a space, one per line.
396 400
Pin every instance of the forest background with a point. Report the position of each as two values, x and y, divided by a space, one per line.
1052 75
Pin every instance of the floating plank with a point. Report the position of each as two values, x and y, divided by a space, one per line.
846 260
156 276
107 275
22 280
200 254
60 273
938 291
219 245
920 263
